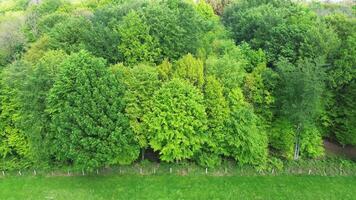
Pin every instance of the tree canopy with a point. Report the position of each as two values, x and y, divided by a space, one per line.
89 83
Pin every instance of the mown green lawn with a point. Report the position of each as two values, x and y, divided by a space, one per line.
177 187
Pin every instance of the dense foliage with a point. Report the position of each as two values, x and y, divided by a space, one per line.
91 83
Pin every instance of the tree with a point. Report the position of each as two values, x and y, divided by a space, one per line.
37 50
177 121
136 44
228 69
258 88
217 112
246 142
12 40
190 69
177 26
282 138
37 84
341 80
299 97
141 82
282 28
86 108
70 35
344 122
14 143
165 70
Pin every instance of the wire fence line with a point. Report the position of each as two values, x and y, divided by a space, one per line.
182 171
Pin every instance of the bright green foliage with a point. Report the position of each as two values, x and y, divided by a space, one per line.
246 141
217 112
39 80
258 91
49 6
179 80
229 71
141 82
136 44
37 50
282 138
165 70
206 11
311 144
219 5
177 122
13 140
190 69
176 25
86 109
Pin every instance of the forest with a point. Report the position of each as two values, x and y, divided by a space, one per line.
99 83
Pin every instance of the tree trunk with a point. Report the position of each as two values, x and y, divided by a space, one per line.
142 154
297 143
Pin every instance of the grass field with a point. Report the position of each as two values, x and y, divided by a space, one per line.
177 187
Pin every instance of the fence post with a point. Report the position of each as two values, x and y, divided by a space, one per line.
34 172
97 171
170 170
140 170
83 172
154 170
3 173
20 173
206 170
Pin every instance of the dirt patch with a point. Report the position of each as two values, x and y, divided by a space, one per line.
332 148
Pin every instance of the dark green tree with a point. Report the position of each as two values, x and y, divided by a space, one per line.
86 108
282 28
177 26
299 100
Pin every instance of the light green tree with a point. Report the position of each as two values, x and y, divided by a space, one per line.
141 83
190 69
246 142
135 42
217 112
177 122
